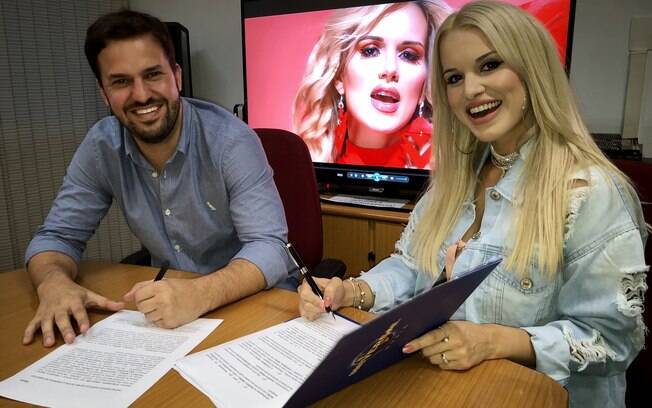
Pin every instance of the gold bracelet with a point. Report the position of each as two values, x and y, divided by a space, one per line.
354 301
362 294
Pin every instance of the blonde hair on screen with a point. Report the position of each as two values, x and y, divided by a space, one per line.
315 106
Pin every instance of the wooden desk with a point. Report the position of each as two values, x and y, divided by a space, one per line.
412 382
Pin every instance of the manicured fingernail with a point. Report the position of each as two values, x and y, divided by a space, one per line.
407 349
327 302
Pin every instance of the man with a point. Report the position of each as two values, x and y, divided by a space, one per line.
192 181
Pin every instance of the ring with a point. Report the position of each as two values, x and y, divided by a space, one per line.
445 339
443 358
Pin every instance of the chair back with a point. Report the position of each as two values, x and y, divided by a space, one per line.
295 180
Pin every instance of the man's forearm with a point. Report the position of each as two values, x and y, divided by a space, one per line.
45 264
240 278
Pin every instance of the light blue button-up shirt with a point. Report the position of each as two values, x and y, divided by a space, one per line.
215 199
585 324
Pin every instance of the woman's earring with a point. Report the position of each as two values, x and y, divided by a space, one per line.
340 109
420 113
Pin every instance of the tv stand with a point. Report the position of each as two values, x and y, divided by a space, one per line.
373 192
360 236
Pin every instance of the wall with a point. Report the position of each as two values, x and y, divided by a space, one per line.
598 68
215 44
600 59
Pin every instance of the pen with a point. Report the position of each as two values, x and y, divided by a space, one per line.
294 255
164 268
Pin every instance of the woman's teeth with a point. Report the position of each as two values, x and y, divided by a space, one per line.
485 108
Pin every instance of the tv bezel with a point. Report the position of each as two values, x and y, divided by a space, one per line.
330 175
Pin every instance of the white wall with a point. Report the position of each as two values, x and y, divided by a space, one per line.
598 67
215 44
600 59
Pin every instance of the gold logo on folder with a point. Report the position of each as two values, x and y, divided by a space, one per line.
377 346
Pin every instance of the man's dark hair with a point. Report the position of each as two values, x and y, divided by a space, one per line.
122 25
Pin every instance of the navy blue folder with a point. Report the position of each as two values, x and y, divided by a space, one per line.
378 343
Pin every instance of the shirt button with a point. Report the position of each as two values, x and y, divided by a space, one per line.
168 212
177 248
495 195
154 174
526 283
476 235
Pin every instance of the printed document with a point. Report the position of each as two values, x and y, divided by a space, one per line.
265 368
111 365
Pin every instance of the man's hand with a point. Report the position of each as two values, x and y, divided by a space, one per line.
169 303
60 297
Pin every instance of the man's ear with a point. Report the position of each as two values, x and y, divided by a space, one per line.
178 77
104 98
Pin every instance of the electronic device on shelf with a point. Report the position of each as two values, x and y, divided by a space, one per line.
279 36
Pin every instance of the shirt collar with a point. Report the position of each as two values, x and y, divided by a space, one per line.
507 184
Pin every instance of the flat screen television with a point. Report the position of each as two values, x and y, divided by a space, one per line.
379 144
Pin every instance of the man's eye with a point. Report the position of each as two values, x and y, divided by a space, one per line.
369 51
490 65
153 75
119 82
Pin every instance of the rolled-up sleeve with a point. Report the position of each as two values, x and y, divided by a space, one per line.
80 205
255 206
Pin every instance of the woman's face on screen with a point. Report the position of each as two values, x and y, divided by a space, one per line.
383 80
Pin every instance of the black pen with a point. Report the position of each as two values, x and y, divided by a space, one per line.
294 255
164 268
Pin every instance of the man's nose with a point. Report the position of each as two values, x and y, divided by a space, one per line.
140 91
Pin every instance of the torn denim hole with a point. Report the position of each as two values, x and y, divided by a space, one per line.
577 197
587 351
630 300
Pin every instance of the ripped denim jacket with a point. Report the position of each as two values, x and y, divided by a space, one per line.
586 323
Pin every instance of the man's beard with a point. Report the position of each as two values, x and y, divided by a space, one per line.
160 133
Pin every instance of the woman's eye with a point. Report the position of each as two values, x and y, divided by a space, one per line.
453 79
410 56
369 51
490 65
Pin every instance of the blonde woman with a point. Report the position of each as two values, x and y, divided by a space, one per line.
364 98
519 178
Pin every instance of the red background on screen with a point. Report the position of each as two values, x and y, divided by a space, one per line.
277 48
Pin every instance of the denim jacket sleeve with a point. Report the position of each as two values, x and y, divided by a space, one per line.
598 328
396 279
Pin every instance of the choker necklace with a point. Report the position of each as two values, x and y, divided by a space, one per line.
503 162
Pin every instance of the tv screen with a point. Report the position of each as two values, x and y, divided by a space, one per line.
352 79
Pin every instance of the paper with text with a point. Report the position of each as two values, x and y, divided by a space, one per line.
114 363
265 368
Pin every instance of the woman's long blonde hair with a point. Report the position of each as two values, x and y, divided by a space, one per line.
561 146
315 105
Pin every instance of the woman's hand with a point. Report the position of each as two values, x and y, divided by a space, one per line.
460 345
311 306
